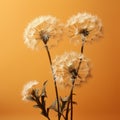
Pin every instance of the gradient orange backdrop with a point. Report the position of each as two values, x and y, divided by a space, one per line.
98 99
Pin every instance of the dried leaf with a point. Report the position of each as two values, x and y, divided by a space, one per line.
73 94
36 92
44 83
30 97
36 106
43 92
53 106
74 102
65 99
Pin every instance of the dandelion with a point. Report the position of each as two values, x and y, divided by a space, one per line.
47 29
84 27
65 69
28 90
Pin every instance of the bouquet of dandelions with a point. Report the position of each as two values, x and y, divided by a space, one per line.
71 69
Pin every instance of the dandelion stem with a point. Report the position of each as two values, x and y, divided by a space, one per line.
69 100
49 56
71 97
82 47
55 85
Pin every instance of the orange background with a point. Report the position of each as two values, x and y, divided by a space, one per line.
98 99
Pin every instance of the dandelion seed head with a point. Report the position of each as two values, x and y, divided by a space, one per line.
27 88
84 26
43 28
65 68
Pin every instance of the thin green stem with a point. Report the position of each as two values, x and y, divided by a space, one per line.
55 85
